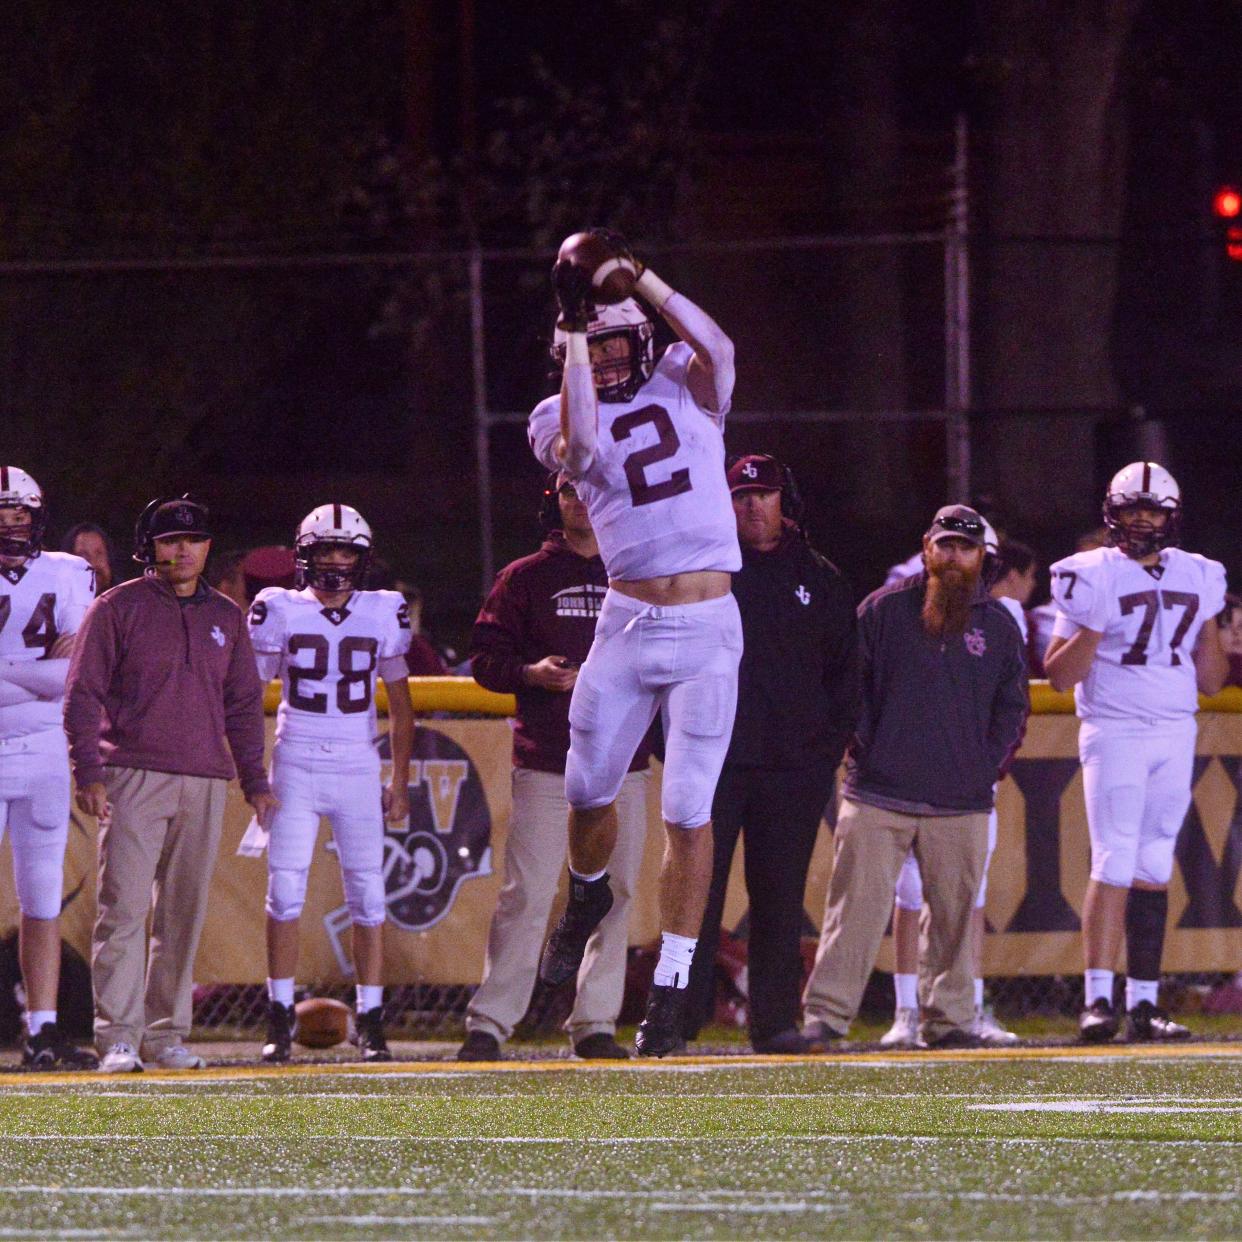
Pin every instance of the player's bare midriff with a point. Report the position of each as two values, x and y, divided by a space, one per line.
689 588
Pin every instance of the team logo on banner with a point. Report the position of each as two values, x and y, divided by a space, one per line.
449 836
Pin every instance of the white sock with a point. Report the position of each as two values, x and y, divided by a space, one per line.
37 1019
280 991
978 993
676 954
1139 990
589 879
370 996
906 988
1098 984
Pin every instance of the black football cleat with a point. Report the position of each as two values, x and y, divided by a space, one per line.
51 1049
1146 1024
587 905
600 1047
480 1046
279 1033
659 1033
369 1035
1098 1023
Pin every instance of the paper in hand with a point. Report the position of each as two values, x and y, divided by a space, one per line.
254 840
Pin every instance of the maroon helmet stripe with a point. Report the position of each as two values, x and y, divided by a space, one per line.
336 516
4 478
1147 476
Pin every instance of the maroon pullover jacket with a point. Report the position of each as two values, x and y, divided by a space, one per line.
541 605
161 684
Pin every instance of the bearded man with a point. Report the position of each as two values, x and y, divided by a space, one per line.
944 703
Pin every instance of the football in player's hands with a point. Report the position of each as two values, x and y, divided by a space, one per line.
573 295
605 257
321 1022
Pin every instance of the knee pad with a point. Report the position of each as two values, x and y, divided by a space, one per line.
1154 864
1114 863
909 895
39 885
364 895
686 802
286 893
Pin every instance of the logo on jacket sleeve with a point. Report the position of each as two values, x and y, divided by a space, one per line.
804 596
976 642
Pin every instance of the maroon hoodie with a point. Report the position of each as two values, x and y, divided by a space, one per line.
541 605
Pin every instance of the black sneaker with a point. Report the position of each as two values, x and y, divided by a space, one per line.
954 1037
600 1047
1098 1023
790 1043
587 905
1147 1024
659 1033
50 1049
369 1035
279 1033
480 1046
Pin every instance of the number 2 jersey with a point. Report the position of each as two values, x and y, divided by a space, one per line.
329 659
656 489
1150 619
39 601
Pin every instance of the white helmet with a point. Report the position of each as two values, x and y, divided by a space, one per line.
19 491
1146 484
332 525
619 380
991 554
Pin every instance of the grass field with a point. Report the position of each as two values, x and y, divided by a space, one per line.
1039 1143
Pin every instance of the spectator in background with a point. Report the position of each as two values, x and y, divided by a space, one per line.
422 659
944 700
92 544
1042 618
1230 623
797 703
272 565
225 575
163 707
533 632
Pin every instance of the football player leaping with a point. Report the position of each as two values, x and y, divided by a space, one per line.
1136 635
43 598
327 640
643 440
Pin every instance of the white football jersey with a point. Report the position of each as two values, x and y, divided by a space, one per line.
329 658
656 489
40 601
1150 619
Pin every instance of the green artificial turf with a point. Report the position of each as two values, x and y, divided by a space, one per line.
1116 1147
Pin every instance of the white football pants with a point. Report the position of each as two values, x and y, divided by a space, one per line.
34 806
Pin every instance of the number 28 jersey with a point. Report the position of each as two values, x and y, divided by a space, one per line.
39 601
656 489
329 659
1150 619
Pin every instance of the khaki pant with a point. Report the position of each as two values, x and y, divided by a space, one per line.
156 855
535 854
869 848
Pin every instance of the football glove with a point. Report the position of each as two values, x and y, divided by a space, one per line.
573 295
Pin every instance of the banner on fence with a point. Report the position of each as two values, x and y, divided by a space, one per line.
443 869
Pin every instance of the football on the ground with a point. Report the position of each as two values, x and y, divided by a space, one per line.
612 274
320 1022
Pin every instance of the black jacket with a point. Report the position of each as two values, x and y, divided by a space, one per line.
940 720
798 681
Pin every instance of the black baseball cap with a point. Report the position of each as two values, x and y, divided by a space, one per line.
179 517
957 522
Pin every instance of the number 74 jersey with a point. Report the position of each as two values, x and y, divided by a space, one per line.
1150 619
329 659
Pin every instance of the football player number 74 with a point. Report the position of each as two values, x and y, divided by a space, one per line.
641 491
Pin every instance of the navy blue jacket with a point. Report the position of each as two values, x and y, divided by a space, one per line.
940 719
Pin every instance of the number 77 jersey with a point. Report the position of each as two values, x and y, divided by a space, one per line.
656 489
329 658
1150 619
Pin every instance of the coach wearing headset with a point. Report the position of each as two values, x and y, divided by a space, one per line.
797 704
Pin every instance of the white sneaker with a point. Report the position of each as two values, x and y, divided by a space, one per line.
179 1057
987 1030
904 1033
121 1059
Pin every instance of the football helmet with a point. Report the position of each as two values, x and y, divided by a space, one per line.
19 491
331 526
617 379
1147 485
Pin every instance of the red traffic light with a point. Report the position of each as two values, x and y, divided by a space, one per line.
1227 203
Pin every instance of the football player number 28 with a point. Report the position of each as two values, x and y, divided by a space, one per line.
1151 602
40 630
641 491
353 690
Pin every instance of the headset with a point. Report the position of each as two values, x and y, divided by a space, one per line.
549 504
793 506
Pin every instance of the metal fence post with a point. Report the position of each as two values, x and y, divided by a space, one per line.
957 325
482 422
